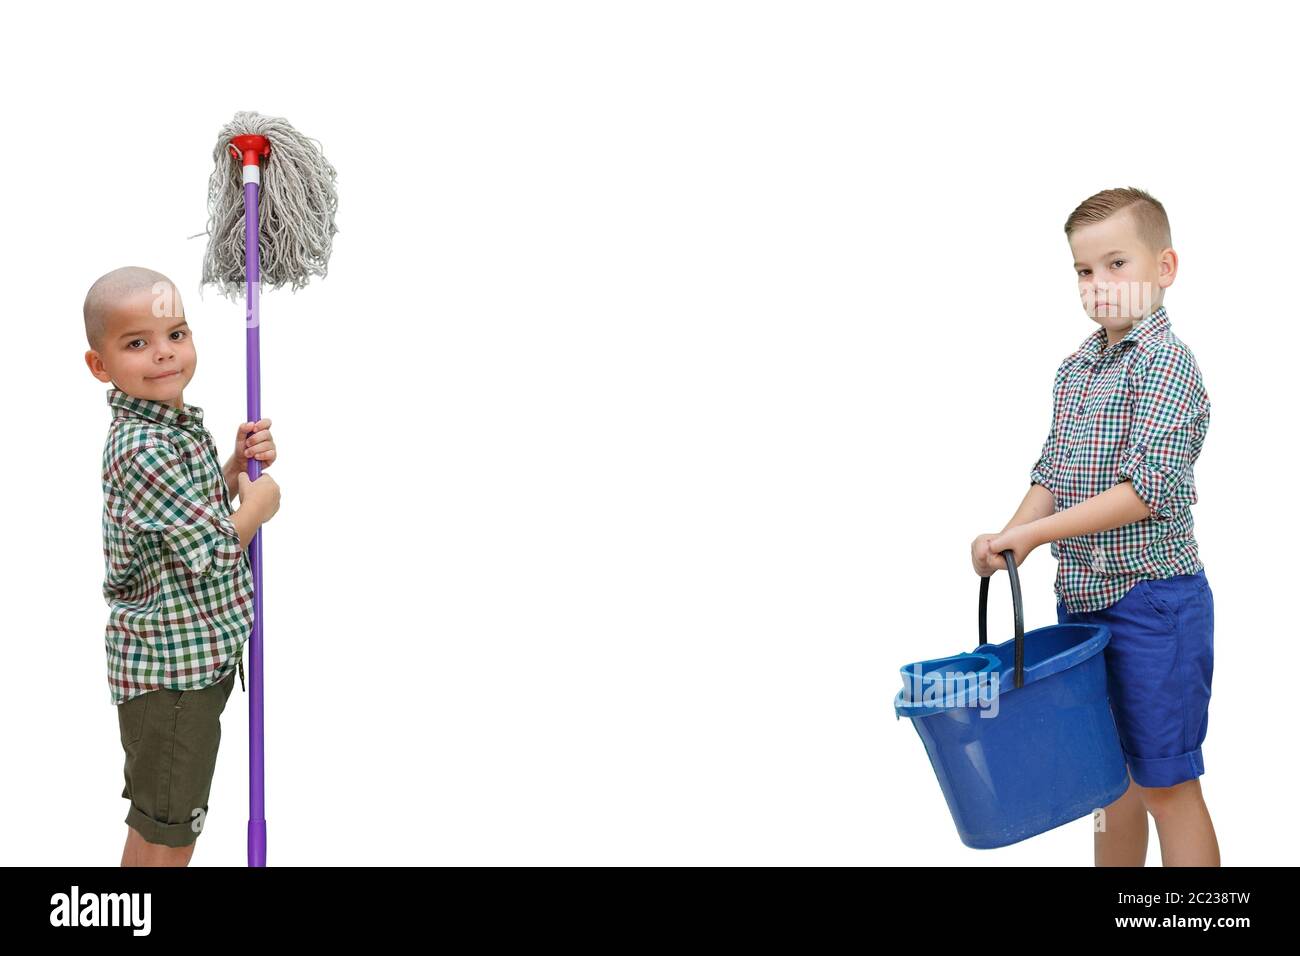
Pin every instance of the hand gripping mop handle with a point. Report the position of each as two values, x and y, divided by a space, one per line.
251 149
1010 557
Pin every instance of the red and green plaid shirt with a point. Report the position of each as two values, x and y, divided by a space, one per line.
178 586
1135 410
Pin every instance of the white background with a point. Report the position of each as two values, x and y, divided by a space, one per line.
639 432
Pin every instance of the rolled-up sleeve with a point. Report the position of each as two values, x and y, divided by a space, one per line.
1171 414
1044 470
160 498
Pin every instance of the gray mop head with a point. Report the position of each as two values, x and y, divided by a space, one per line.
296 204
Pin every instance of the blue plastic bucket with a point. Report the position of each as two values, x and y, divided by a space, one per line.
1020 734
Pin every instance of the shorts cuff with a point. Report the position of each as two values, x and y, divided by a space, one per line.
168 834
1166 771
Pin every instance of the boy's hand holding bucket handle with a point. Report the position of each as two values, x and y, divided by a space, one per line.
1021 540
982 556
986 550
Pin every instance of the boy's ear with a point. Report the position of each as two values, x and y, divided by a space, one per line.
96 366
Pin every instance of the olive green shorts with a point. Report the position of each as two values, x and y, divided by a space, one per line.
171 739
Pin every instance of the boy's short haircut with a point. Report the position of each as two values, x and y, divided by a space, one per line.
1148 214
109 289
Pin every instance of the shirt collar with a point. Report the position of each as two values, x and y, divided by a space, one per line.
155 411
1151 325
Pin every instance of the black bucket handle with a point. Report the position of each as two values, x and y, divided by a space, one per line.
1010 557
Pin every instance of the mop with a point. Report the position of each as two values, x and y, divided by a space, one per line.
271 204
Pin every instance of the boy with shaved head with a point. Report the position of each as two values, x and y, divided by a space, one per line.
177 581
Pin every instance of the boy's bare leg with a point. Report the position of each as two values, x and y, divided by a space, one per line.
1183 822
140 852
1123 840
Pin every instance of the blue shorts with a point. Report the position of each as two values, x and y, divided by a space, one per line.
1158 666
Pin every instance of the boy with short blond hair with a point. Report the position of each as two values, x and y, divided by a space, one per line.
1112 492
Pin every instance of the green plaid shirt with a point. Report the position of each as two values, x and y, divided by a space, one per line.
178 586
1134 410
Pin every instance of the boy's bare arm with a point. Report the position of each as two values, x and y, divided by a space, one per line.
1038 503
1036 522
258 502
246 520
1113 508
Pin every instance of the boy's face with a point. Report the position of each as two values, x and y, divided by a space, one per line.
1120 278
147 350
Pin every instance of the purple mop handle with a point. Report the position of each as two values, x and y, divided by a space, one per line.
256 761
